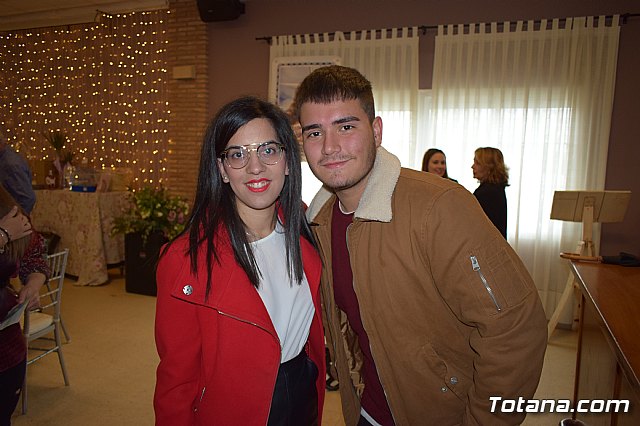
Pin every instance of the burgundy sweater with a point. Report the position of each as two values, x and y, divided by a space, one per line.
373 399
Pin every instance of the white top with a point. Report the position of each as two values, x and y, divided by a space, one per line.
289 305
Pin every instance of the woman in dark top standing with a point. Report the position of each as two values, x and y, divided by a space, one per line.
488 167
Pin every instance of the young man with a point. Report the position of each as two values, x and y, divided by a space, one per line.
428 310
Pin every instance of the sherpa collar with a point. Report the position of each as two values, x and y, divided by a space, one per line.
375 203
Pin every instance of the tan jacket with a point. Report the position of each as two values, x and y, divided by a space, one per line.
452 314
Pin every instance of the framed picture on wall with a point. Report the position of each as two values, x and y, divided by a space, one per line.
285 75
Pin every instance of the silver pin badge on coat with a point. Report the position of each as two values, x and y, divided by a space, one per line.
187 289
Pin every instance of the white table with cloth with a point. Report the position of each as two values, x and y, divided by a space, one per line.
83 220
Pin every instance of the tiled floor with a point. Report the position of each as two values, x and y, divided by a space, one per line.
111 361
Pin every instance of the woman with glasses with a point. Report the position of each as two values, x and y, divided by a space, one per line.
238 325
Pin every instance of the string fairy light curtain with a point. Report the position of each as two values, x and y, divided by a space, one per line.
103 85
543 94
387 58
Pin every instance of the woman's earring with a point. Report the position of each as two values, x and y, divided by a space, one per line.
225 178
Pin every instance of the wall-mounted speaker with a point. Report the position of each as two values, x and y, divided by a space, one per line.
220 10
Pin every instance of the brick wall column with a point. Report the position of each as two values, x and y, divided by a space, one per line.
188 98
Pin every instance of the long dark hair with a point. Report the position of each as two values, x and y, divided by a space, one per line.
427 156
215 205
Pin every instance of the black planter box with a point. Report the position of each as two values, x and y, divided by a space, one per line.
140 262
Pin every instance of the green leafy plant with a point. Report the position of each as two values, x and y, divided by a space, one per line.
153 210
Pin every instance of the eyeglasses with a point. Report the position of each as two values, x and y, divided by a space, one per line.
236 157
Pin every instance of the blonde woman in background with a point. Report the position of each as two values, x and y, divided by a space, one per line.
488 167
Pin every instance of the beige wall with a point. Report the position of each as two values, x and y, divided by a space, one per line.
623 171
239 64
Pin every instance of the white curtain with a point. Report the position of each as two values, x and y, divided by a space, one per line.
541 93
387 58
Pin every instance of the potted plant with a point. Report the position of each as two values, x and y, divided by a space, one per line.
154 218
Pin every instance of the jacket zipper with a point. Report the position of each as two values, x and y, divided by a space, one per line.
275 378
476 267
384 391
201 398
249 322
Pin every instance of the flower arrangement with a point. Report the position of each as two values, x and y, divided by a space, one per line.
64 159
153 210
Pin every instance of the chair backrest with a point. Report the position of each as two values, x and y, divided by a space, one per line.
50 298
58 266
38 324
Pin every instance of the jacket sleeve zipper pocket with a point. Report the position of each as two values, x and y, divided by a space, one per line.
476 267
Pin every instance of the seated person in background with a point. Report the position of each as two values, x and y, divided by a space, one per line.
488 167
434 161
21 251
15 175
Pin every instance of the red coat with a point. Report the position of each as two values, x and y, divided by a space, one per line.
219 358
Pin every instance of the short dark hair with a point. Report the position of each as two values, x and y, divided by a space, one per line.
427 156
335 83
215 206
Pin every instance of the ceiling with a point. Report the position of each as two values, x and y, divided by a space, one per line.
23 14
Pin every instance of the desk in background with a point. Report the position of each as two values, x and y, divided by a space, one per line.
83 220
608 364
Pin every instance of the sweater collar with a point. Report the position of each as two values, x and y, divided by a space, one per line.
375 203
